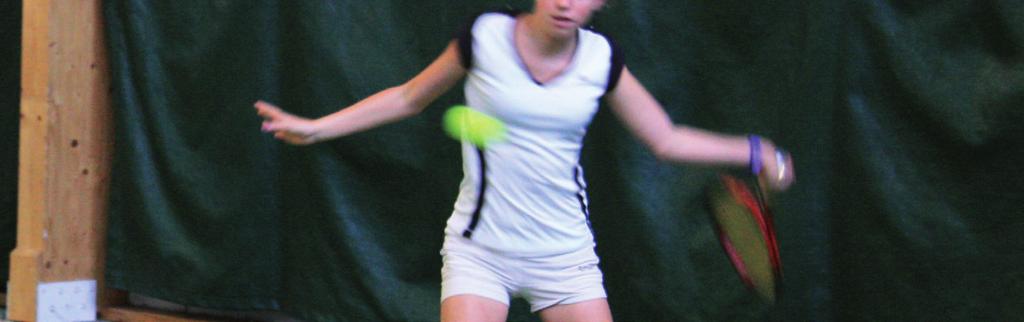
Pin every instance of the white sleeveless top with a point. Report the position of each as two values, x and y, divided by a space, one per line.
526 194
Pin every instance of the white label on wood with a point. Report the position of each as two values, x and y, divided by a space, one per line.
66 301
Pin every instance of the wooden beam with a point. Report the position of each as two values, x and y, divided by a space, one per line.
65 150
132 314
27 254
129 314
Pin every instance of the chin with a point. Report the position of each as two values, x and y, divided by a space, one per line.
563 32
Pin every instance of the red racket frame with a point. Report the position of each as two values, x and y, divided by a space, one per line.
756 205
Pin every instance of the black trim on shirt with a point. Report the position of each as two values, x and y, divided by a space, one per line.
618 64
464 37
468 233
581 196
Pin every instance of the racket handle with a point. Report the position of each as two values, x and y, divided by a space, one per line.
780 163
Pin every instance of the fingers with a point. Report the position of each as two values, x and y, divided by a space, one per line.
292 138
267 127
285 132
777 167
278 122
266 110
261 104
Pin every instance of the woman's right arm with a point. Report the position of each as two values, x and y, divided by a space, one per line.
386 106
646 118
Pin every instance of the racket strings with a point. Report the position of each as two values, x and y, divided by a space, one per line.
766 220
752 197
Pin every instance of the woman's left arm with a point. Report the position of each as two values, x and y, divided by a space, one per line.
647 120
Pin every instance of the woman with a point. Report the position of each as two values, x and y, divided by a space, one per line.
520 225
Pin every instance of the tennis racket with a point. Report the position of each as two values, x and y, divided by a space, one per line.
743 223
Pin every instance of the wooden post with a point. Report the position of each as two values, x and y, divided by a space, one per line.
65 150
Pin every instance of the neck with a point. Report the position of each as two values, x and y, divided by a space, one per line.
544 41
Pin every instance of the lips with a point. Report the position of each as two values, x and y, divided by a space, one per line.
564 22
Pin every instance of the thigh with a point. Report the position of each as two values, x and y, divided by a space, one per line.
595 310
472 308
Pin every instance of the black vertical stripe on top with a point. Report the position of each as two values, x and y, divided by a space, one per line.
468 233
580 196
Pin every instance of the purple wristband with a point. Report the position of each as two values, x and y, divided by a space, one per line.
755 154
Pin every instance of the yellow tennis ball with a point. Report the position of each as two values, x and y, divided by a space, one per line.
466 124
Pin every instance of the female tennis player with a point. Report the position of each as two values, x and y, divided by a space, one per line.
520 225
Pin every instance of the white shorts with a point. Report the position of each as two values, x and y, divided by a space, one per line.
543 281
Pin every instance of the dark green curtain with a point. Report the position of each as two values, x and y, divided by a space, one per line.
903 116
10 109
928 185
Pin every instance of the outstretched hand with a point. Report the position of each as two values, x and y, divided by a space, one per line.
286 127
778 173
